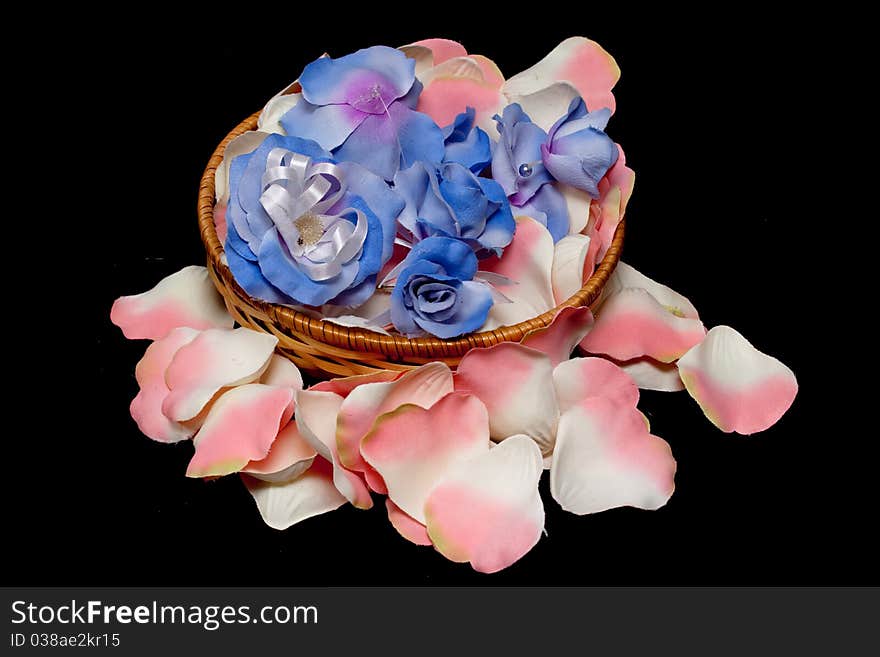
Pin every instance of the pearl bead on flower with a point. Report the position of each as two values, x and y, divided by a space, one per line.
525 170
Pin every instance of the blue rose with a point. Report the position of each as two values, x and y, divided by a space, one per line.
303 229
448 200
435 292
517 166
467 144
578 152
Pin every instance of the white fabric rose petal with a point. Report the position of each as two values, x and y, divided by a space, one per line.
569 266
215 359
316 414
185 298
487 510
282 505
288 458
240 427
650 374
545 106
146 407
738 387
244 143
270 118
407 526
581 378
412 447
514 382
625 276
605 457
283 373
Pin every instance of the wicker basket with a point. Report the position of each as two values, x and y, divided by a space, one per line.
327 348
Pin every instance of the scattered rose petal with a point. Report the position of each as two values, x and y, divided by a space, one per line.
282 372
625 276
738 387
288 458
407 526
487 510
545 106
244 143
650 374
581 378
605 457
343 386
569 266
186 298
559 339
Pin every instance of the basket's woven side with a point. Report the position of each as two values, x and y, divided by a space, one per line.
316 345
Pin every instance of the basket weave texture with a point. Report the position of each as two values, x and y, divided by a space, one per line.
325 348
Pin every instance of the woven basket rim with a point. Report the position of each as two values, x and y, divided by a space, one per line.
365 339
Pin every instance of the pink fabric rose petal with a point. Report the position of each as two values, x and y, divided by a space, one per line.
447 97
407 526
440 49
650 374
215 359
487 510
581 378
558 340
282 372
422 386
528 263
146 407
606 213
240 427
186 298
316 414
344 385
605 457
570 268
738 387
288 458
625 276
632 323
579 61
284 504
514 382
412 447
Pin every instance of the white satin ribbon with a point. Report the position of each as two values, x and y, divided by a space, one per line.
296 195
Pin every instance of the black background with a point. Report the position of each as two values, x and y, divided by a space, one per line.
731 207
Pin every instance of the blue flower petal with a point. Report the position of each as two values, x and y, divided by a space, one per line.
454 256
581 159
385 202
519 147
461 190
400 314
357 295
548 207
419 188
248 275
466 144
476 300
328 125
420 138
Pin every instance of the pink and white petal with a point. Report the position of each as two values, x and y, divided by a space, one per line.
578 202
423 386
527 261
487 510
546 106
240 427
407 526
422 55
316 415
626 276
521 400
220 223
492 75
146 407
582 378
185 298
738 387
282 372
445 98
440 49
284 504
463 67
650 374
615 190
632 323
412 447
579 61
269 120
244 143
344 385
288 458
605 457
215 359
374 481
569 266
560 338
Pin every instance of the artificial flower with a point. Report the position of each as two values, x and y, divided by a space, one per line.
303 229
450 201
361 107
466 144
435 291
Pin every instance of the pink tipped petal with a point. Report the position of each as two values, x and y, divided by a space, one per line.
582 378
215 359
316 415
244 143
738 387
412 447
284 504
408 527
240 427
650 374
528 263
625 276
457 67
615 190
559 339
492 75
374 481
578 202
569 266
344 385
546 106
441 49
422 386
422 56
288 458
146 407
283 373
220 222
186 298
579 61
487 510
447 97
632 324
605 457
513 382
